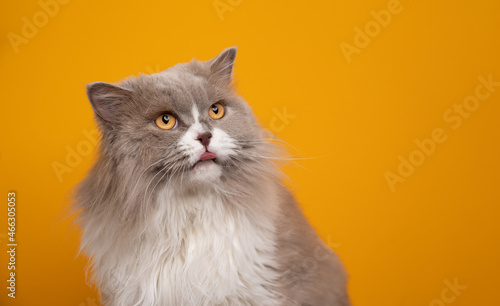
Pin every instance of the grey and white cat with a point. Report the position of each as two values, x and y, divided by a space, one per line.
185 203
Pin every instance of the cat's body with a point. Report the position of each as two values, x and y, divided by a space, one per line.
195 213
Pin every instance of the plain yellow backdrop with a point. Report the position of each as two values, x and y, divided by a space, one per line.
351 87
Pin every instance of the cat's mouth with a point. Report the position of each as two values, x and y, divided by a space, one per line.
205 158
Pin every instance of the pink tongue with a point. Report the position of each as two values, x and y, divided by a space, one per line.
207 155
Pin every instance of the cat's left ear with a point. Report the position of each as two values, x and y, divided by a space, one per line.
221 67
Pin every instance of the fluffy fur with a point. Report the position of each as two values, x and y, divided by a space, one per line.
162 227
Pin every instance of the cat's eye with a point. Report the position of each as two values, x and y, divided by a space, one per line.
216 111
166 122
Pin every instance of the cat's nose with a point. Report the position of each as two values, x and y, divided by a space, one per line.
204 138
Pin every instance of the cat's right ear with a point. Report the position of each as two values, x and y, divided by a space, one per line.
105 99
221 67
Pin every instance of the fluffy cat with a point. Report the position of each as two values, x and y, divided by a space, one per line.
185 203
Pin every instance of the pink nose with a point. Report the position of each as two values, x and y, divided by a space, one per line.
204 138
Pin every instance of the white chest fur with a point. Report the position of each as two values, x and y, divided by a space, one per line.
198 250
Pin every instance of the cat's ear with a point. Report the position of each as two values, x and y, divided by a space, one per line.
105 99
221 67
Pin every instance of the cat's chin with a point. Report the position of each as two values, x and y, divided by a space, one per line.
205 171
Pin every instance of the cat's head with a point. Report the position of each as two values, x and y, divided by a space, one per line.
186 121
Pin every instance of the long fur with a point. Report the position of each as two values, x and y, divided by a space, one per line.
160 232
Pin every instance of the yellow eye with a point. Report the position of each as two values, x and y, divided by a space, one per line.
166 122
216 111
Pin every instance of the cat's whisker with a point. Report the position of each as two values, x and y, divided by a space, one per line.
152 190
145 170
279 158
165 170
268 145
152 179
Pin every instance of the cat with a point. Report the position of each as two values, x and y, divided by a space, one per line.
185 203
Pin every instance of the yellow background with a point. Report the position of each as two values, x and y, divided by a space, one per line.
353 119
